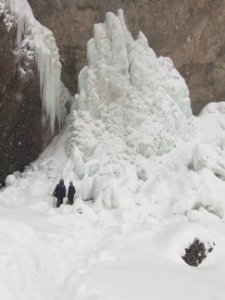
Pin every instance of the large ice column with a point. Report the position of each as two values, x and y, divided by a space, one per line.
46 53
131 106
134 93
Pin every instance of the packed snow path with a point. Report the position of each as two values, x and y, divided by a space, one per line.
55 254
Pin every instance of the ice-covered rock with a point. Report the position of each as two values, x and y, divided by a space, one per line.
41 41
7 16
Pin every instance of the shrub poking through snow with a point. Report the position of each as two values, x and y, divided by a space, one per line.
196 253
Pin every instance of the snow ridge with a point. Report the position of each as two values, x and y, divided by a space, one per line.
42 41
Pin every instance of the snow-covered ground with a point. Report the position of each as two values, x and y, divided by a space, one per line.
149 179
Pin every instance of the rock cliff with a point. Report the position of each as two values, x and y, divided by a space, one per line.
22 135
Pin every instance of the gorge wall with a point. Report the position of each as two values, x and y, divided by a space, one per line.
191 32
20 125
22 136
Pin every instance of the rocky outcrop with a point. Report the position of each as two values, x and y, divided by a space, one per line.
197 252
191 32
22 135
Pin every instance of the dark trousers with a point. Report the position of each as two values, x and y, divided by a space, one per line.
59 202
70 200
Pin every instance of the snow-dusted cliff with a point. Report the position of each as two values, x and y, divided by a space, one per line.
37 42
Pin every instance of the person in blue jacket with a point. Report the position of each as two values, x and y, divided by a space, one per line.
60 192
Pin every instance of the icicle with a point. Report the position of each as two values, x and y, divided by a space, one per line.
46 57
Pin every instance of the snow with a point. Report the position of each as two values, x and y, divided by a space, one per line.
149 179
32 35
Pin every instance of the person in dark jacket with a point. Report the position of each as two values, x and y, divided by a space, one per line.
71 192
60 192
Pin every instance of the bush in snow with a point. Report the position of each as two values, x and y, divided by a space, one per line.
196 253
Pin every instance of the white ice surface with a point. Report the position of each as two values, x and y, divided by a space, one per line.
127 241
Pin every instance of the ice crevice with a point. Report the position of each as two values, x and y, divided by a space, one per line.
46 55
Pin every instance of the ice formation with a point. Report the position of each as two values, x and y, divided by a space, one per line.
7 17
131 105
42 41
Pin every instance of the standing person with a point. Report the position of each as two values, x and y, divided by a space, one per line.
71 192
60 192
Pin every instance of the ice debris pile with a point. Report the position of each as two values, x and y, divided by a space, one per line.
32 36
131 105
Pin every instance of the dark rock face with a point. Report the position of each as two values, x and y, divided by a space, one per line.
22 135
191 32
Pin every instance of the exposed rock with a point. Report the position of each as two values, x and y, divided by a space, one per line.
196 253
191 32
22 135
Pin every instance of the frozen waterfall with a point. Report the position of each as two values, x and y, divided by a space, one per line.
42 42
138 97
131 105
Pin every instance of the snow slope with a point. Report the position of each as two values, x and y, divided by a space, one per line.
154 178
